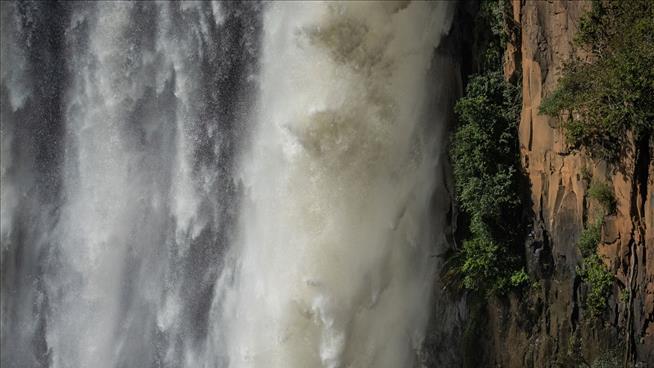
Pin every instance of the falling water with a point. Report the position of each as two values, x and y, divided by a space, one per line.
205 184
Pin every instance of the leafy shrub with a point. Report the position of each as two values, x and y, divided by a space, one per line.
490 35
592 270
485 160
589 238
602 100
484 148
481 263
599 281
519 278
603 193
489 268
624 295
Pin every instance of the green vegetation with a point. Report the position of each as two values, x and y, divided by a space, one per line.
603 193
485 159
484 149
490 34
602 100
592 270
589 238
599 281
624 295
519 278
480 264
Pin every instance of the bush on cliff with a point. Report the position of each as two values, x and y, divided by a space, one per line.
602 193
599 280
485 159
589 238
609 95
592 270
490 34
484 149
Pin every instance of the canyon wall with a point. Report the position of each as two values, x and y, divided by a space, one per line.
548 326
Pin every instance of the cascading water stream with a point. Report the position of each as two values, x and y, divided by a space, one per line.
333 256
204 184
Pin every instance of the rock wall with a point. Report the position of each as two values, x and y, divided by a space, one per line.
549 326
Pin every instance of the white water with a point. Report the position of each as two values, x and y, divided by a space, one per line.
334 264
167 236
122 182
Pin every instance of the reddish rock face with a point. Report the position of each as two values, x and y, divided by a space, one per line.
540 330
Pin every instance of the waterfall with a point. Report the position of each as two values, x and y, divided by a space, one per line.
333 265
205 184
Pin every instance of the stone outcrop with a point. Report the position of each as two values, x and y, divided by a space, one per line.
549 327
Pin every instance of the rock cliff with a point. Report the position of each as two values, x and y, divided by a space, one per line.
549 326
